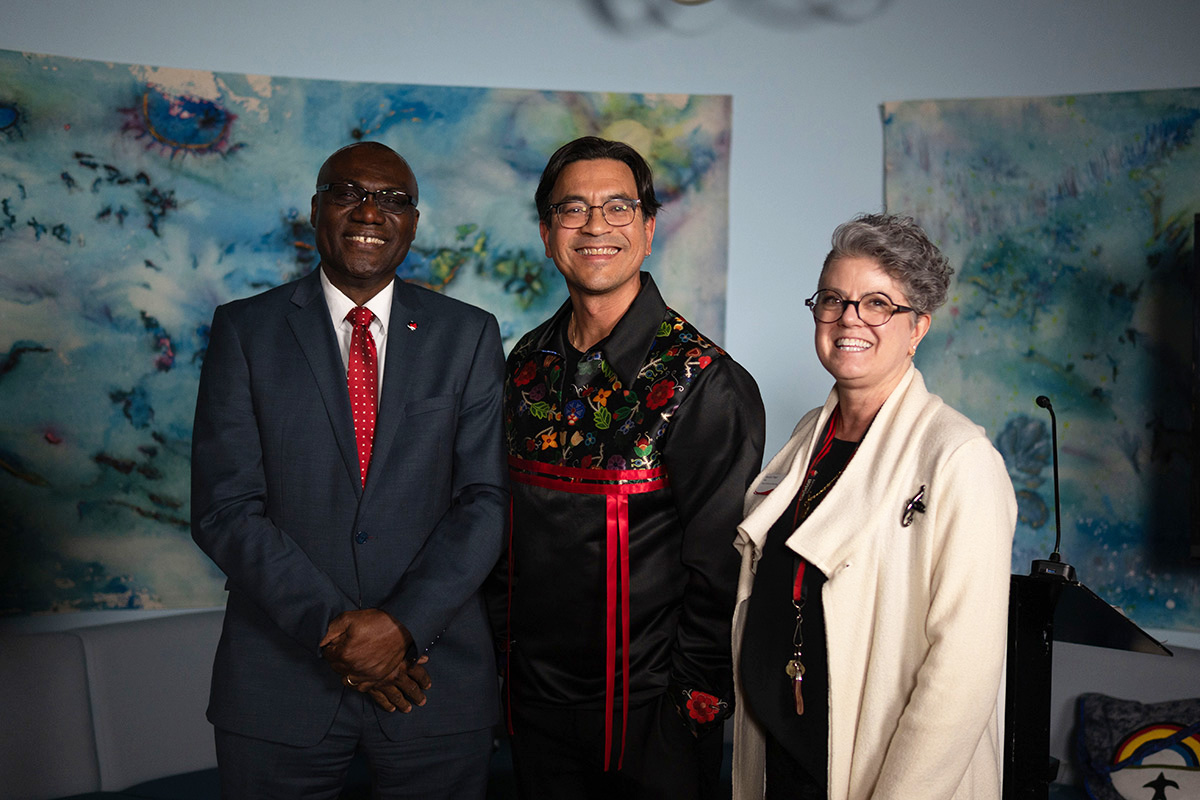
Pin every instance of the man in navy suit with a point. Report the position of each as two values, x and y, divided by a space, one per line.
354 536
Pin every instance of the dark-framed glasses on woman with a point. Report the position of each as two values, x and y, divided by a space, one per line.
873 308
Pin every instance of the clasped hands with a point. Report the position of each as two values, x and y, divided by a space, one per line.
369 648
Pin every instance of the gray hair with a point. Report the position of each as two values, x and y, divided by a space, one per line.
903 251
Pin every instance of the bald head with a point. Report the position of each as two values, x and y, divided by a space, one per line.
374 153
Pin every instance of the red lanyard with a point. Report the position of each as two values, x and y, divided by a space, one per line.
797 591
826 446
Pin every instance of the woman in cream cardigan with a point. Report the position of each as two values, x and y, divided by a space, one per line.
870 630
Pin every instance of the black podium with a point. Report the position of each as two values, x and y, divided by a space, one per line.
1043 609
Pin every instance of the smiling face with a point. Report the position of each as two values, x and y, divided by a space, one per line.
361 246
861 358
598 259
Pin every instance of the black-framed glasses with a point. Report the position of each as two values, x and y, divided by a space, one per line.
873 308
617 212
391 201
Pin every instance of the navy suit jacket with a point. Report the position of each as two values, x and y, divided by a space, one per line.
277 503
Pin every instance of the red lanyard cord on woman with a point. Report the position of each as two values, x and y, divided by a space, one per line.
795 667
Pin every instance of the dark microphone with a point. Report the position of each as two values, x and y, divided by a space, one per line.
1053 566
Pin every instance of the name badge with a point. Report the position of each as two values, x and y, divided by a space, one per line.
768 483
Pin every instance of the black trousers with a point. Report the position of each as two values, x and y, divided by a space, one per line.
451 767
559 753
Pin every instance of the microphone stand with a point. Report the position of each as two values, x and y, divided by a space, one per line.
1054 566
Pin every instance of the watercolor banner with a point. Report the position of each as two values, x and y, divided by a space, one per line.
1069 220
134 199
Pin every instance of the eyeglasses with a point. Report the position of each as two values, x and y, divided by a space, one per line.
874 308
391 201
617 212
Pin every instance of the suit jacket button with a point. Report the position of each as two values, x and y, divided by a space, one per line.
361 537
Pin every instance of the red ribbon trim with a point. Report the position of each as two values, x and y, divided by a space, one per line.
588 488
560 471
612 520
623 521
616 562
615 486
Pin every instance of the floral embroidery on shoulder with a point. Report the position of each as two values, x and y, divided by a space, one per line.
598 422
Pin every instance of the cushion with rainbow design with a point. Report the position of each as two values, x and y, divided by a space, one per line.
1139 751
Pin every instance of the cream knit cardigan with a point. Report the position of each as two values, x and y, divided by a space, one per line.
916 617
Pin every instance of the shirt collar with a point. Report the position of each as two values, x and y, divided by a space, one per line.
340 305
626 348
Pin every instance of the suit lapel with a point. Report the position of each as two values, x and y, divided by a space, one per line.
314 333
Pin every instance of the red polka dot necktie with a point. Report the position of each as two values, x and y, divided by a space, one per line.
363 379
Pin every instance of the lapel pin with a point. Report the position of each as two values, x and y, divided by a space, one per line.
912 507
412 326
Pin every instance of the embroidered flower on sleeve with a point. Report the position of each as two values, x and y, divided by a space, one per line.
660 393
549 440
702 707
536 393
705 361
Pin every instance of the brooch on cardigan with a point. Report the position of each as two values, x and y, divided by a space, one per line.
916 504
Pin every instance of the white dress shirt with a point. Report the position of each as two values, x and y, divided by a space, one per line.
340 305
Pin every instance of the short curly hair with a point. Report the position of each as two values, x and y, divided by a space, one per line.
903 251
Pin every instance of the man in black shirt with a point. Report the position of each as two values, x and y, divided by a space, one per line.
632 439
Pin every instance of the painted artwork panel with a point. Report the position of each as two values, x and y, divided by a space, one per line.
1069 220
135 199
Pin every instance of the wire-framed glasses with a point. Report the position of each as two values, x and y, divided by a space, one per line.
391 201
617 212
874 308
